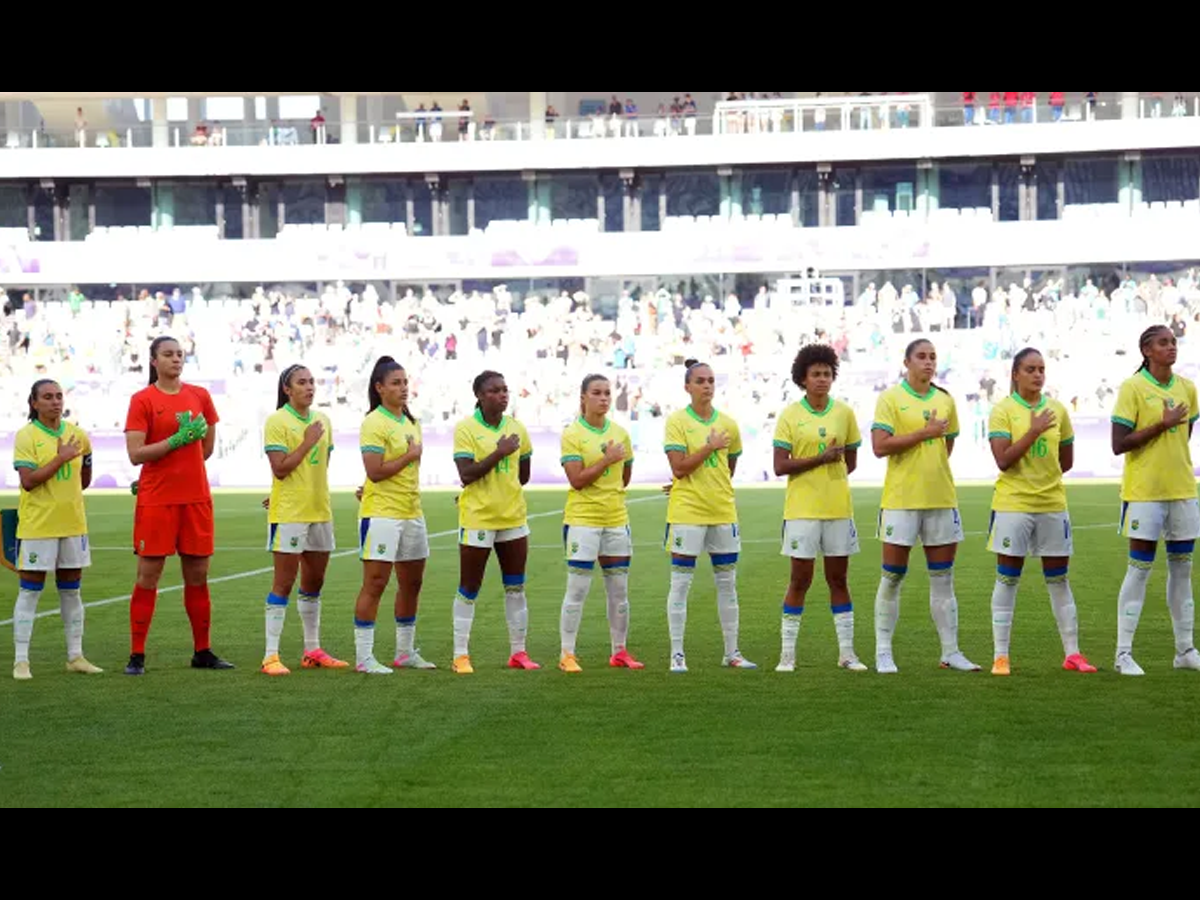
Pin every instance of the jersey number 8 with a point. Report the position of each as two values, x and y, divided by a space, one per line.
712 460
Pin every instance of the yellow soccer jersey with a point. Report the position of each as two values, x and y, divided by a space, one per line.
497 500
602 503
304 495
823 492
1161 469
398 497
918 478
706 496
53 509
1035 483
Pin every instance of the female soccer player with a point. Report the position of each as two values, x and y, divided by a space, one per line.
492 453
170 431
915 426
298 442
597 456
816 447
1158 492
391 526
702 446
1033 445
54 461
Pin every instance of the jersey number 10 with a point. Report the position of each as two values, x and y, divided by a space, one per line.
63 473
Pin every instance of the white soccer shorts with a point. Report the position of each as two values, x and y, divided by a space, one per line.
585 543
49 554
933 527
805 538
1166 520
1031 534
392 540
488 538
300 537
692 540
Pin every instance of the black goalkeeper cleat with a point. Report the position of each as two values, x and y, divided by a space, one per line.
137 664
206 659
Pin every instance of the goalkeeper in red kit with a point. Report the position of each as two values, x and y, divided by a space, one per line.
170 432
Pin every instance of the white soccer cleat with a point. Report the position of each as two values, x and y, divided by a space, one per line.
678 663
958 663
372 666
1126 666
21 671
735 660
851 664
786 664
412 660
884 664
1188 659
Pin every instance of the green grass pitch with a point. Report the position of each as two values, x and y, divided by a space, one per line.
714 736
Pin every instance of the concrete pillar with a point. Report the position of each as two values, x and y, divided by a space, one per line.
160 130
929 196
348 133
537 114
195 111
163 213
354 202
1129 185
1130 101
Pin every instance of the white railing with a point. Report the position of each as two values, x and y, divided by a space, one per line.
819 113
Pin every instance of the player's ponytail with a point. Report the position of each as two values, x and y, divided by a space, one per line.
384 366
154 345
588 381
33 392
1147 337
480 380
1016 364
285 380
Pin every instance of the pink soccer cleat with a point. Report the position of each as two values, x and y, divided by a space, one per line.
1077 662
622 660
522 661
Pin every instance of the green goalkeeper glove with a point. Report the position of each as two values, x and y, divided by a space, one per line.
189 432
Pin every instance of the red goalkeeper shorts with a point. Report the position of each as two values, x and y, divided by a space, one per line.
184 528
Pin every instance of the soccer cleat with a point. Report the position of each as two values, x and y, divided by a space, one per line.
622 660
272 666
372 666
136 664
206 659
569 663
412 660
735 660
1001 666
851 664
678 663
786 664
1125 664
1078 662
319 659
958 663
21 671
884 664
462 665
521 660
81 666
1188 659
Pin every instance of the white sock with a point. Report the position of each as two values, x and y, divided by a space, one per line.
843 625
579 582
70 604
1004 602
23 614
887 607
1132 598
681 583
1062 601
1179 593
943 606
364 640
516 612
464 616
406 635
725 576
790 630
310 615
616 590
276 613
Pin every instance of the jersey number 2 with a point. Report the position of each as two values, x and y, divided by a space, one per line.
314 458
